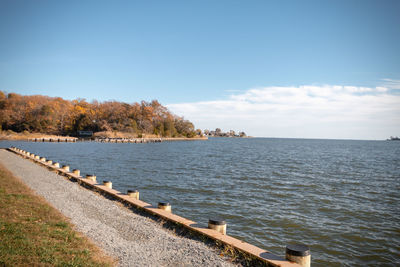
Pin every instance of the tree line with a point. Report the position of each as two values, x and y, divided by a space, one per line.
55 115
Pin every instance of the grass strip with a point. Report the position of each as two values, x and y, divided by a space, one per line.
33 233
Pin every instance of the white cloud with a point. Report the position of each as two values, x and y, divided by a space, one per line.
391 84
303 111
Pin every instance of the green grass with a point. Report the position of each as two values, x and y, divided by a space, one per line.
33 233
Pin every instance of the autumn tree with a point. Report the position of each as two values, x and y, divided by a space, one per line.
58 116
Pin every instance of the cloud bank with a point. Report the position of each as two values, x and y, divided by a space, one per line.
329 111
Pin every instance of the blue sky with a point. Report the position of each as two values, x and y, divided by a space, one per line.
187 53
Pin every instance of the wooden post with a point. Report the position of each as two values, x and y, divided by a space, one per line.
65 167
217 224
133 194
164 206
299 253
107 184
91 177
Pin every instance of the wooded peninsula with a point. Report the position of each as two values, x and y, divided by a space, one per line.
57 116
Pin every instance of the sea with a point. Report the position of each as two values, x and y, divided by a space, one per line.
339 197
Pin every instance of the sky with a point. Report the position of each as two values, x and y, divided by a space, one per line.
296 69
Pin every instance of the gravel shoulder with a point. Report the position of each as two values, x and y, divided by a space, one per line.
133 239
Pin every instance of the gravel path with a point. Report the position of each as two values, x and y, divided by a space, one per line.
133 239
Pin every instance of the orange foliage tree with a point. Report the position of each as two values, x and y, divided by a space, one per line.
54 115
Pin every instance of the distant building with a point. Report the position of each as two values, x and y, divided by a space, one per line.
85 133
219 133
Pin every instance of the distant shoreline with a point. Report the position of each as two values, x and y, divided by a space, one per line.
13 136
25 136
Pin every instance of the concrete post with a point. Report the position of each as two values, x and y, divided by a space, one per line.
56 164
299 253
218 225
43 159
49 162
133 194
76 171
37 157
164 206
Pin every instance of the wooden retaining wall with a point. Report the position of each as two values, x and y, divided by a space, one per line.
115 140
128 140
52 139
146 140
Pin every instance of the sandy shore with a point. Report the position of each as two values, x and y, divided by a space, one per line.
10 135
133 239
